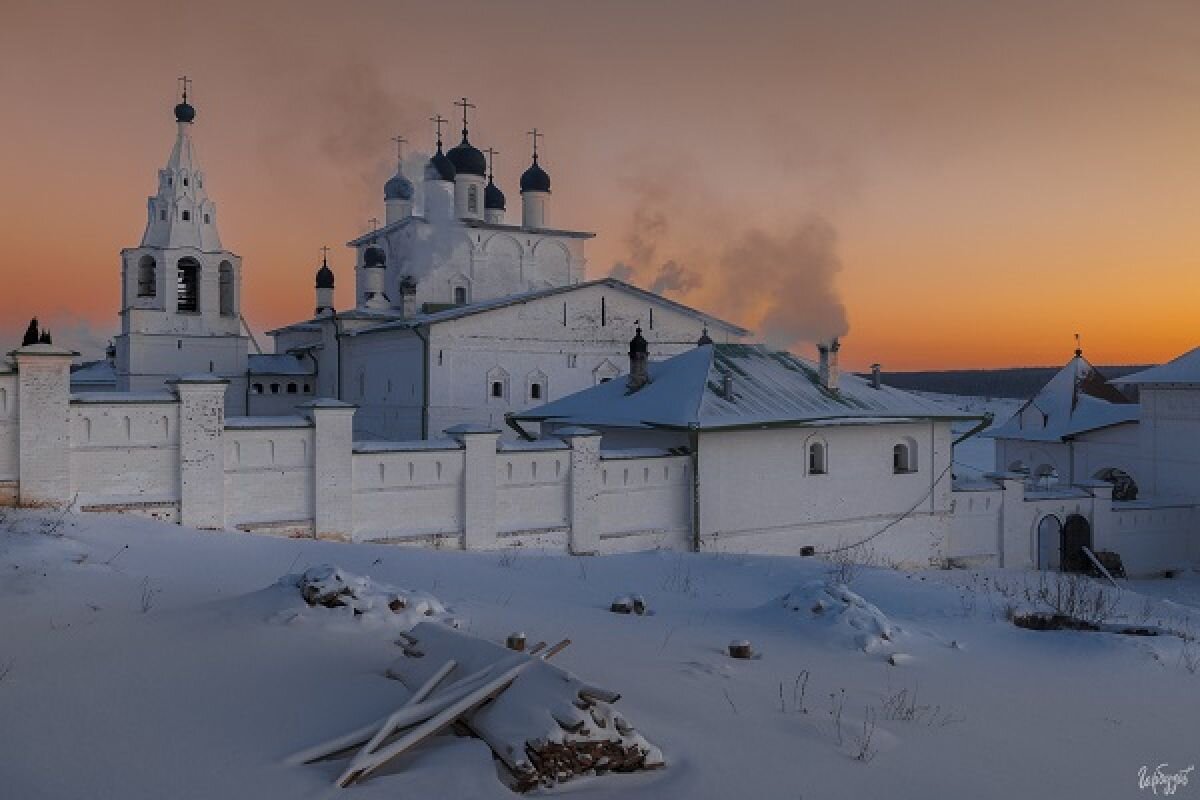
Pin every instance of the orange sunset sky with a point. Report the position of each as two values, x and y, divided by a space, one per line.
990 177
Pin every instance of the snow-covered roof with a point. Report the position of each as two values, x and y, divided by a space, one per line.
458 312
278 364
1184 369
94 373
1076 400
770 387
373 236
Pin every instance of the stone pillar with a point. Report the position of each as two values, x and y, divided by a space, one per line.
44 420
201 450
585 489
333 468
1104 524
479 485
1016 541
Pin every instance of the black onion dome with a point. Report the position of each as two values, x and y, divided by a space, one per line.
493 198
638 345
439 167
535 178
398 187
374 257
185 112
467 158
324 277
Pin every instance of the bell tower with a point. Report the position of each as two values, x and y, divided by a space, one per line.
180 288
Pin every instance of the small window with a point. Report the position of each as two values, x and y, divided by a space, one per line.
307 388
497 388
460 295
258 388
572 360
472 199
187 215
535 391
185 183
903 459
605 380
206 220
816 458
163 215
274 388
147 277
292 388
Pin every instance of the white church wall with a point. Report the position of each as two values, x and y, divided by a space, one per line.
409 492
566 343
9 450
976 528
125 454
278 395
532 497
1151 538
1107 448
645 503
383 375
756 492
1169 441
268 474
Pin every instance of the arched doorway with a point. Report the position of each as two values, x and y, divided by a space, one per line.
1076 535
1049 542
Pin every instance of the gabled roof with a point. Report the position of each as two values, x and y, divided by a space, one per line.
459 312
1184 369
770 388
1076 400
368 238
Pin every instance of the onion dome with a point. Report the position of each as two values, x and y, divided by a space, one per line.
467 158
398 187
324 276
704 338
185 112
535 178
638 345
374 257
493 198
439 167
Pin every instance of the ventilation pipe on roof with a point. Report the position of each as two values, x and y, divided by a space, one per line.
408 297
639 356
875 382
828 367
727 386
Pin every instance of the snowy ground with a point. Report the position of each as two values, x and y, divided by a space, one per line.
143 660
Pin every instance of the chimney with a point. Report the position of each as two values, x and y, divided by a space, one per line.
408 297
828 368
875 382
639 356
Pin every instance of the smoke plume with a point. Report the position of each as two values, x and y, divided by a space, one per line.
778 280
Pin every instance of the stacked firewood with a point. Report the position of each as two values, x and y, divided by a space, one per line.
542 723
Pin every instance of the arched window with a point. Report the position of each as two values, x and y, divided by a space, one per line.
188 285
225 276
472 199
460 295
1045 476
292 388
816 458
147 277
1124 486
904 457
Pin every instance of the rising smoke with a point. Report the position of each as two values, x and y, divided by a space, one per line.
778 281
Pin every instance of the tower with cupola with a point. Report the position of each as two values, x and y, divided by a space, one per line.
181 290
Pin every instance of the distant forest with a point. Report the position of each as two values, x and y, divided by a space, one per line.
1020 382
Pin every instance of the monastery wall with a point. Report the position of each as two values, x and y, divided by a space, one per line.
173 456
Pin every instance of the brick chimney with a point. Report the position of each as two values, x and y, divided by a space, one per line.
639 356
828 369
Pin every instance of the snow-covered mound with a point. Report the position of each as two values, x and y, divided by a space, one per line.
841 615
358 596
